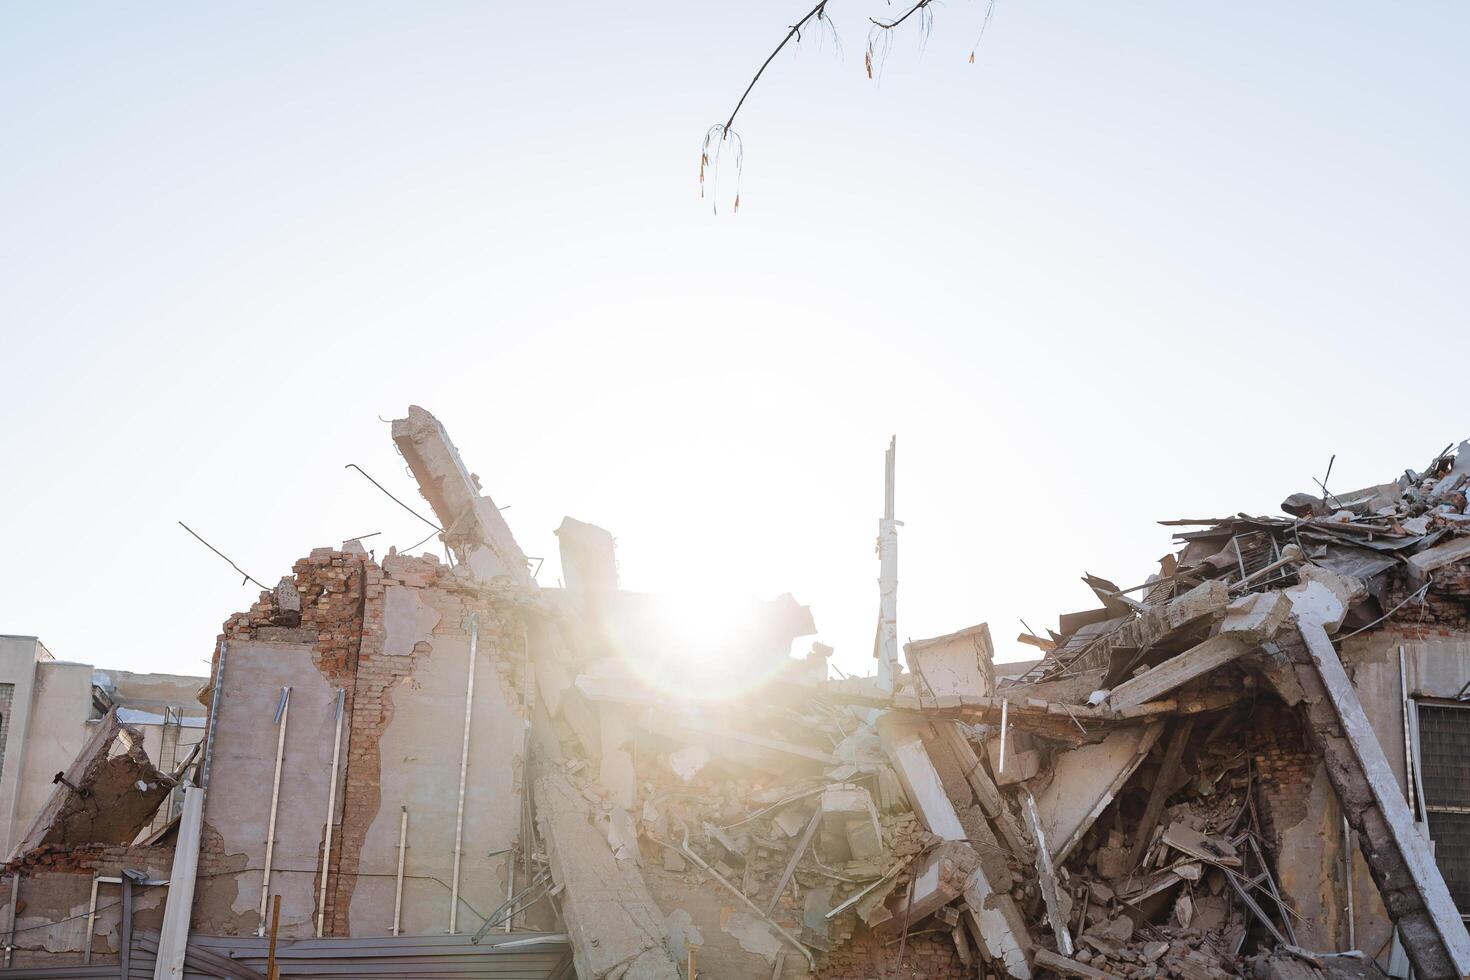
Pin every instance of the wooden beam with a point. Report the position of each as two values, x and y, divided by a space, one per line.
1163 786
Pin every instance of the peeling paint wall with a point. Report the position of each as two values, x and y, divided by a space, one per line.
51 925
396 639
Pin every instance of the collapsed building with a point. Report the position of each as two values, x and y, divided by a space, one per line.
1250 764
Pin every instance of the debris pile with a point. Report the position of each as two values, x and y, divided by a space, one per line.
1213 773
1102 816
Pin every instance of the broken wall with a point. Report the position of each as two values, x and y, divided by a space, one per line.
55 733
54 894
396 640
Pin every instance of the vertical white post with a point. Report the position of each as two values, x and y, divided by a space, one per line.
1347 876
1000 765
91 923
888 579
398 886
321 907
282 713
1406 705
464 764
173 938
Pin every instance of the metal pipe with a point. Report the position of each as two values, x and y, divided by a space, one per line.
1408 741
1004 709
464 764
321 910
14 901
398 886
91 923
283 712
688 852
510 886
214 701
1347 860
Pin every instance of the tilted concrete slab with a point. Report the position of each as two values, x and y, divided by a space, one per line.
616 928
102 798
993 918
1178 671
1085 780
473 525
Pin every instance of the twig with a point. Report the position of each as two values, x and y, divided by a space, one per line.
818 11
354 466
247 578
906 15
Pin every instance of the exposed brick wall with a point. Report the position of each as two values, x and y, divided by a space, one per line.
867 956
89 859
1444 610
343 602
1285 766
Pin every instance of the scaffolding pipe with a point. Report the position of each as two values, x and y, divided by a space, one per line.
1347 860
398 885
283 711
464 765
321 911
91 923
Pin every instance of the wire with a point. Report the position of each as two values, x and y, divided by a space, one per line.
82 915
248 577
354 466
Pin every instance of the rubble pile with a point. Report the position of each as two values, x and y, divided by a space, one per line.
1100 816
1216 772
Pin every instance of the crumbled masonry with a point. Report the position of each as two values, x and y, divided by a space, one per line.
1244 766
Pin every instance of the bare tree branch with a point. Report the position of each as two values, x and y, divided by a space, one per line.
890 25
818 12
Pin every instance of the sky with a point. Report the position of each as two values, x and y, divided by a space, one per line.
1137 262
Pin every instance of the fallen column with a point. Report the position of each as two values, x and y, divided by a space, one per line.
616 929
1399 858
473 525
993 916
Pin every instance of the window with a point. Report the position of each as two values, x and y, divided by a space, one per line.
1444 761
7 693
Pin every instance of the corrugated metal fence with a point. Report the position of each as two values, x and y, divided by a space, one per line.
513 956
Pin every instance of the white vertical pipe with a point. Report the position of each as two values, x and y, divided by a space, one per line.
270 833
91 923
321 910
398 886
1001 763
1347 857
464 764
888 668
1408 740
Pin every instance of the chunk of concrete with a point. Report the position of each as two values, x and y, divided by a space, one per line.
688 761
1179 670
616 929
992 917
957 663
849 816
1323 597
1021 764
920 780
939 879
1256 616
1085 780
588 561
473 525
102 797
